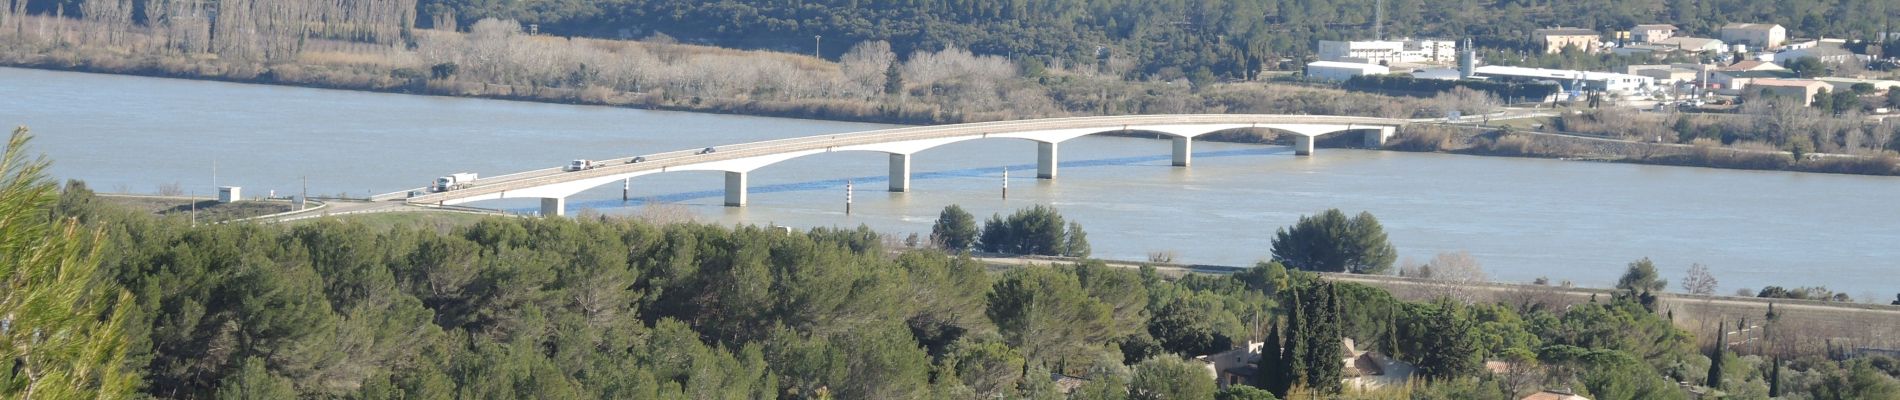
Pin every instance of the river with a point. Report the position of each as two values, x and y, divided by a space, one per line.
1520 218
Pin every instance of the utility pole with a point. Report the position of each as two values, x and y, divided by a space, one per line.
304 198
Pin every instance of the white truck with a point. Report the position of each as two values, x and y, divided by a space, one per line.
581 165
453 181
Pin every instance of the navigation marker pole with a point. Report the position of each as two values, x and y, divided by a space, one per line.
847 197
1005 183
625 186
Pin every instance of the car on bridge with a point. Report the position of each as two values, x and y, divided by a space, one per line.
636 159
707 150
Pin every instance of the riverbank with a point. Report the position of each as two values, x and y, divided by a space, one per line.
1507 142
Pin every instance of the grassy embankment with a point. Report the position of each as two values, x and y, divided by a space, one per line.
200 209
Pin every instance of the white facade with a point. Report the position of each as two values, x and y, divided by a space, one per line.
1570 80
1651 33
227 194
1388 52
1341 71
1828 54
1764 36
1668 74
1694 44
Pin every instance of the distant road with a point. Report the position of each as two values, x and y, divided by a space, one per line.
1814 322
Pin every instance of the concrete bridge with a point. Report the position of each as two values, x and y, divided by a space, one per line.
553 186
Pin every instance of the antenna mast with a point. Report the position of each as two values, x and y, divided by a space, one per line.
1378 20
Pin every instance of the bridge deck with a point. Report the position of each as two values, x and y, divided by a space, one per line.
662 161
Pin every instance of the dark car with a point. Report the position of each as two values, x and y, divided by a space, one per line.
707 150
636 159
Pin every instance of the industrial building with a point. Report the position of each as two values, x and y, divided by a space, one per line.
1573 82
1389 52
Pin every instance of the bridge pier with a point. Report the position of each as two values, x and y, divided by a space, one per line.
1302 145
1183 151
1045 160
900 172
1376 138
735 189
553 206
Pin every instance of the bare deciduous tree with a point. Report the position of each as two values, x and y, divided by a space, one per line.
657 213
171 189
1699 280
1456 274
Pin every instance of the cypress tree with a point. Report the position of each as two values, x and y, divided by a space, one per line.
1774 379
893 80
1293 355
1324 369
1392 336
1271 374
1715 361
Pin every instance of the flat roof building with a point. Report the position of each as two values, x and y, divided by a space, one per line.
1340 71
1572 81
1651 33
1800 89
1555 40
1735 81
1389 52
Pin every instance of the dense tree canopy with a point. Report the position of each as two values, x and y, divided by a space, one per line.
1331 242
62 328
1034 230
955 229
612 308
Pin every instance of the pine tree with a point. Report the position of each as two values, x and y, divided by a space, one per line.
62 331
1715 361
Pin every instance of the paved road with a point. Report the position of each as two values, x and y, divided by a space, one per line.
662 161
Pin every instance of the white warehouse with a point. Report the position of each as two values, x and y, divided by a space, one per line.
1341 71
1384 52
1571 80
